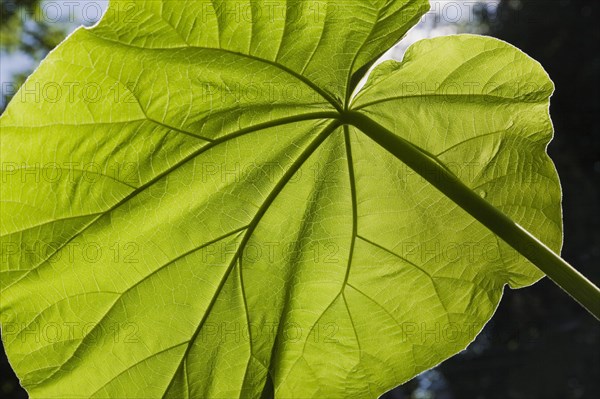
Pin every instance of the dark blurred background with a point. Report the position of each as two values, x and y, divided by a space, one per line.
540 344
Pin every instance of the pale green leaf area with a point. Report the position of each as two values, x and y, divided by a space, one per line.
186 212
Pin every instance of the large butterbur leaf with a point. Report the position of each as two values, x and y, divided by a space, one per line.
187 214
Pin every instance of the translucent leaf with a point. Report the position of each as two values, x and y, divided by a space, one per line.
186 213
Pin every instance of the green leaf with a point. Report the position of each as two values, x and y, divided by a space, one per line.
479 107
192 205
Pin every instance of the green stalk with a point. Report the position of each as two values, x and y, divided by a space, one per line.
556 268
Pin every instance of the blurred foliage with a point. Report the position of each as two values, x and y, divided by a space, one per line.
9 8
25 28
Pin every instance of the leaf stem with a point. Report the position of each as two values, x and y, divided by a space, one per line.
559 271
